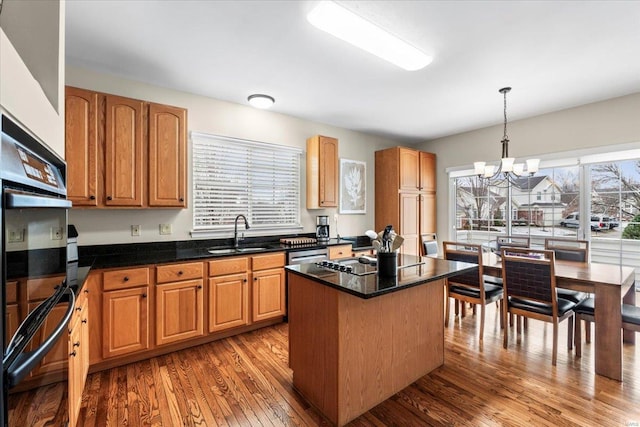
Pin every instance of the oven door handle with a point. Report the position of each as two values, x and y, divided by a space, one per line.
21 200
25 362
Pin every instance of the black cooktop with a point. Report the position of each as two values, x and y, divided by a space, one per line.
365 265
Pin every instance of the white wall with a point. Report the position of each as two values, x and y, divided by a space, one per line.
35 102
221 118
611 122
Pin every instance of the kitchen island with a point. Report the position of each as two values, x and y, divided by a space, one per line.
357 339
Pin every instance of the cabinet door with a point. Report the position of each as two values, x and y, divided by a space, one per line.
12 317
179 311
428 213
409 169
228 302
75 380
124 180
125 321
167 156
81 146
328 172
409 223
56 359
268 294
427 172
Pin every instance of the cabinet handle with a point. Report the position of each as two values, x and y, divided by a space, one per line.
86 291
126 278
109 198
84 320
78 308
182 199
180 273
255 278
144 295
76 344
199 286
245 280
73 353
92 197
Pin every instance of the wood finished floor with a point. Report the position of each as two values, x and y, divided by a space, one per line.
245 381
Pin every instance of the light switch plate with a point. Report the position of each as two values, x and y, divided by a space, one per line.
16 236
135 230
165 229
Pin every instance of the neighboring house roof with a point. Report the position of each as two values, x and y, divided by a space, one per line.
529 183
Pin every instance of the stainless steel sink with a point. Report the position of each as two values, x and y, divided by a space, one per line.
224 251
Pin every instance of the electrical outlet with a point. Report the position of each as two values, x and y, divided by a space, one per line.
56 233
16 236
135 230
165 229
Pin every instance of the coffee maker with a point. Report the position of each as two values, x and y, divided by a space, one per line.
322 228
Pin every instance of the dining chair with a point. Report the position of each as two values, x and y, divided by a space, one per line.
507 241
585 310
529 284
469 287
429 245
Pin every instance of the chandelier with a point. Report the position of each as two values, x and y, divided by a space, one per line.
507 170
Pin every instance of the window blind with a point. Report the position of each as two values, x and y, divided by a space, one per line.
234 176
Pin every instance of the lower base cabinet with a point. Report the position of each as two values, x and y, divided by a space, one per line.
179 311
268 294
125 316
228 301
78 346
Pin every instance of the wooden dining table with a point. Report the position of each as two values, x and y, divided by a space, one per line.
612 285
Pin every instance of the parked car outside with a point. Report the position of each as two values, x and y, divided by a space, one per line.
598 222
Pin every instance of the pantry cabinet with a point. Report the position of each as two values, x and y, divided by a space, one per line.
123 152
322 172
406 194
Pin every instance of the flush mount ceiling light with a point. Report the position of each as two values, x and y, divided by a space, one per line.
348 26
261 101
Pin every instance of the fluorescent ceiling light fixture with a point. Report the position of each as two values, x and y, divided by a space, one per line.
348 26
261 101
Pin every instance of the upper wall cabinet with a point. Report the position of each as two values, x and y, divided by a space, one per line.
124 152
322 172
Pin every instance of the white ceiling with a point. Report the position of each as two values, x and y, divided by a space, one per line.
555 55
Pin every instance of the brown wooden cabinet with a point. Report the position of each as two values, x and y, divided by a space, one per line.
322 172
125 312
78 349
268 286
341 251
81 146
124 152
167 156
228 293
406 194
179 302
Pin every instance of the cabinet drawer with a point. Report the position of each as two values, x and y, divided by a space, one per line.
220 267
341 251
128 278
12 292
366 252
42 287
262 262
177 272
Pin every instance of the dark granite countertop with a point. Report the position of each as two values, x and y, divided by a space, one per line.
421 270
125 255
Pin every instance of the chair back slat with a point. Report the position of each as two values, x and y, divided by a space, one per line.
429 244
465 252
529 274
568 249
512 242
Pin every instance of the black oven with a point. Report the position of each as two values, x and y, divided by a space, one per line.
33 219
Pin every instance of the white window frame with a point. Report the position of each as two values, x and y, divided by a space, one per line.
238 198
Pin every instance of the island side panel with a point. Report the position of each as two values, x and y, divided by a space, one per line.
313 342
387 343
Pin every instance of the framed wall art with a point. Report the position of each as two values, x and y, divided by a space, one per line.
353 187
